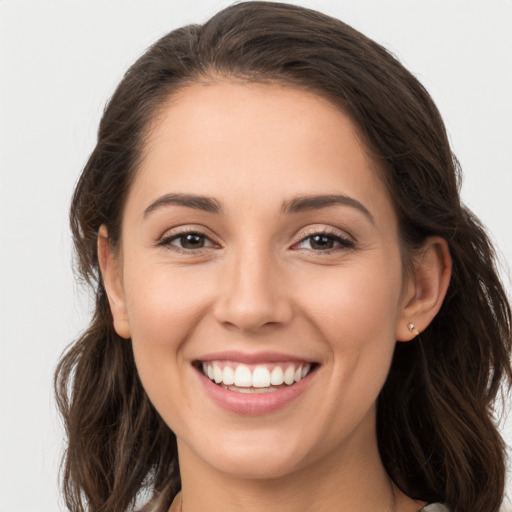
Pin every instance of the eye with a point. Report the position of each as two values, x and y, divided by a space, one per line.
324 242
189 241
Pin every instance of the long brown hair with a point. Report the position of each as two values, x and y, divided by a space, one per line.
436 433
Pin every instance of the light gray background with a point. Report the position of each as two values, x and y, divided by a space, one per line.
60 61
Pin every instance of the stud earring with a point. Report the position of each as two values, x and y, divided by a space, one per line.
412 328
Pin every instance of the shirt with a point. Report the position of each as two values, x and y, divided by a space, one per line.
435 507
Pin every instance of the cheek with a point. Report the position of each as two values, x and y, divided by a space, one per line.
355 314
355 304
163 309
161 301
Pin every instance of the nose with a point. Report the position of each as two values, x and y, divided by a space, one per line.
252 294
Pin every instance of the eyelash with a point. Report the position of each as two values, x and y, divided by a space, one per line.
344 243
167 241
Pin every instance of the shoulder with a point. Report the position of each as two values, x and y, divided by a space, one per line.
435 507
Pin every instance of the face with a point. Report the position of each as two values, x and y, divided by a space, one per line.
259 278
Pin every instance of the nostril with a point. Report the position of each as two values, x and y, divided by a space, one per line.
253 317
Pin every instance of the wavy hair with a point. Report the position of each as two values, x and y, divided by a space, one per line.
435 421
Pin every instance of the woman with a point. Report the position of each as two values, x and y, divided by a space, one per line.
294 311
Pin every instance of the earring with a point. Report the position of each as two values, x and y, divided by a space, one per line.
412 328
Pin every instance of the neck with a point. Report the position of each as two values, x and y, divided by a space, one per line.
351 478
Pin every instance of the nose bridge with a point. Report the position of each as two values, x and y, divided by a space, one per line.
252 294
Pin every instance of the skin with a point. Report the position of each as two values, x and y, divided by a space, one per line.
258 284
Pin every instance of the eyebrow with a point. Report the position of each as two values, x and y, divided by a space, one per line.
295 205
317 202
206 204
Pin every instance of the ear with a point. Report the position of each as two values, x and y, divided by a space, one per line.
425 290
110 268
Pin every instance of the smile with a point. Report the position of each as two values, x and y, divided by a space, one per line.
260 378
254 384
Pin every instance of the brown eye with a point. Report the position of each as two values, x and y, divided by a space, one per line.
192 241
188 241
325 242
321 242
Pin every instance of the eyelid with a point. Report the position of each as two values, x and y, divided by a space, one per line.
346 240
179 231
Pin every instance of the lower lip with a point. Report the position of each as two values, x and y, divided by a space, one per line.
253 404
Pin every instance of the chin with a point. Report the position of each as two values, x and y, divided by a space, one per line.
259 466
253 456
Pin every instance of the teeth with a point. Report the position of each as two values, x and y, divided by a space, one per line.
228 376
217 373
251 390
261 377
277 376
289 375
243 377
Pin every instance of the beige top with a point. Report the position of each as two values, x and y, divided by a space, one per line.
432 507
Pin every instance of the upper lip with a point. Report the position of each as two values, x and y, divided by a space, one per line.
252 358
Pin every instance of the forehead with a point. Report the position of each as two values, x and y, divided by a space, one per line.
255 141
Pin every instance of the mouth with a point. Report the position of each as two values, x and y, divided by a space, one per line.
255 378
